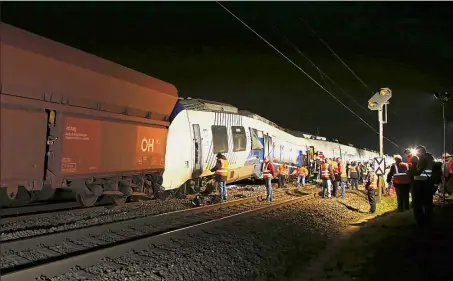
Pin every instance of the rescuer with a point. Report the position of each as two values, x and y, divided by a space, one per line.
354 175
282 171
447 173
221 174
410 157
370 186
301 172
342 178
423 187
268 175
348 167
398 175
336 176
326 177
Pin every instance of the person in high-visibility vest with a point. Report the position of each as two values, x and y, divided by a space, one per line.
336 174
283 172
268 175
400 179
221 173
371 184
301 172
423 187
342 177
327 177
354 175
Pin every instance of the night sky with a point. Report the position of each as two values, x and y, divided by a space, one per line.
206 53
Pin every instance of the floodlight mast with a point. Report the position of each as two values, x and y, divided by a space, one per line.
379 102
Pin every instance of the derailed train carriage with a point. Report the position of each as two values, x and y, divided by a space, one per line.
75 121
200 129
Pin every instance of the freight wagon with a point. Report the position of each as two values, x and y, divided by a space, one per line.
75 121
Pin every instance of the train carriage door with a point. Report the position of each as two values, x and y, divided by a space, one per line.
197 148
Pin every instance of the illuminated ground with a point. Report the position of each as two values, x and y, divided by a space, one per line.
392 248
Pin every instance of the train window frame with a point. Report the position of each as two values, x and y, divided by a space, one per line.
219 139
239 138
255 143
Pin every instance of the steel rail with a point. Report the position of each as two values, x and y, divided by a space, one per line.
64 265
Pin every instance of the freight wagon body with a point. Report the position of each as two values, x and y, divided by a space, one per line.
73 120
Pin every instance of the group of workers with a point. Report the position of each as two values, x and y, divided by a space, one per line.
413 176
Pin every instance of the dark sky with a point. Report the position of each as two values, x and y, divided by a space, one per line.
206 53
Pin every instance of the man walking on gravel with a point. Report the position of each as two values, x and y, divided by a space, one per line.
268 175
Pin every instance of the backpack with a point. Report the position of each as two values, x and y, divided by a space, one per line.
436 174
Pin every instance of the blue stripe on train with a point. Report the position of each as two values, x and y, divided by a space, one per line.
176 110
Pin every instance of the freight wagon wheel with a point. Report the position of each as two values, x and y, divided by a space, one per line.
86 200
118 200
8 195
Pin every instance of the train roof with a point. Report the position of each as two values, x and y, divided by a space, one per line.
213 106
39 68
205 105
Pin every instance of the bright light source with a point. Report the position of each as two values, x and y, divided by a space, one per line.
385 92
413 151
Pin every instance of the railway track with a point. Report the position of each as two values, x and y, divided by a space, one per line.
56 254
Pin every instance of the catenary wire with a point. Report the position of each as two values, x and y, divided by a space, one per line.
323 74
299 68
338 57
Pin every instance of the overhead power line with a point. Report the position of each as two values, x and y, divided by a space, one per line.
339 58
323 74
299 68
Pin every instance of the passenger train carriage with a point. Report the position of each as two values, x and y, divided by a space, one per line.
200 129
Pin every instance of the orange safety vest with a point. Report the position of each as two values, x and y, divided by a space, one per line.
282 170
450 164
267 172
353 169
335 168
325 173
223 171
302 171
342 170
403 177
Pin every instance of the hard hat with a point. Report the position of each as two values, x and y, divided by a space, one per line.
397 156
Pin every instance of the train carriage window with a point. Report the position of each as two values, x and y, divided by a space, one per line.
239 138
219 139
256 144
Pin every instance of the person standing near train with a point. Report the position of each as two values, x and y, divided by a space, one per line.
221 173
282 171
342 177
268 175
354 175
301 172
327 177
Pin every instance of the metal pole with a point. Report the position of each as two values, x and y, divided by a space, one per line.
381 149
445 153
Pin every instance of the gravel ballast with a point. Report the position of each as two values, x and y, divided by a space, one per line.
276 245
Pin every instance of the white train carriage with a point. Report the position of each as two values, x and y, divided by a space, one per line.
200 129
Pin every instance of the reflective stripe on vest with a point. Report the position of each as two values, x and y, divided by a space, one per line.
424 176
223 171
400 178
353 169
325 174
267 172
